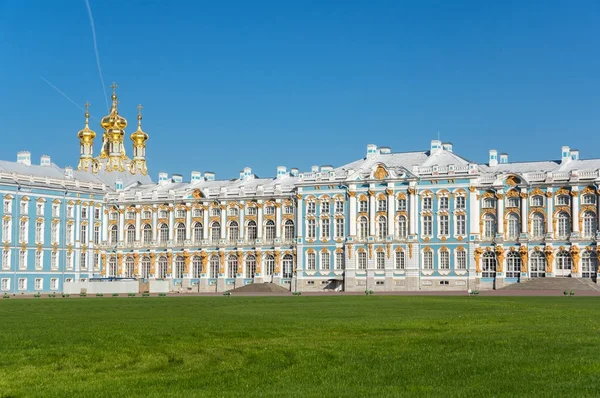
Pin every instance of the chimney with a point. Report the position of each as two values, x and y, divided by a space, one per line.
566 154
68 172
493 158
177 178
24 157
574 154
436 145
447 146
281 171
294 172
196 176
326 169
163 178
118 184
241 174
209 175
247 172
45 160
385 150
371 150
503 158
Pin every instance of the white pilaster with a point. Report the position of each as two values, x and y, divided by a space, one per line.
575 217
121 223
205 223
474 212
171 220
500 212
391 207
259 230
242 226
138 223
278 220
154 223
104 226
188 224
352 212
413 210
299 219
550 213
224 221
524 213
372 199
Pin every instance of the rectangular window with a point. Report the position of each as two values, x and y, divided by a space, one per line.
69 260
288 210
339 228
489 203
70 211
23 207
54 232
22 284
426 203
146 214
325 207
428 260
96 234
382 205
311 230
83 234
6 230
55 210
5 259
5 284
461 259
131 215
445 260
83 260
363 206
269 210
96 260
84 212
69 234
444 225
325 229
252 211
380 260
54 284
427 225
7 206
311 262
97 213
23 231
401 204
39 232
339 260
54 260
444 203
39 209
400 260
461 202
38 284
38 260
461 224
537 201
325 261
339 206
311 208
22 259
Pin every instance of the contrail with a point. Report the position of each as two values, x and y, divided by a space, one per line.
65 95
87 3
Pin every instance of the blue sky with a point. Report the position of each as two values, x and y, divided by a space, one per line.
231 84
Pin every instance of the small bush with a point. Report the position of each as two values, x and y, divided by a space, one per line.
227 294
145 294
66 295
82 294
115 294
162 294
52 295
99 295
37 295
566 293
5 295
130 294
572 293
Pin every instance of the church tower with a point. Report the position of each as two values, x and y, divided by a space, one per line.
139 138
113 148
86 145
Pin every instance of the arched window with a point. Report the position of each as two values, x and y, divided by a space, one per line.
589 224
537 265
232 266
179 267
489 265
113 235
145 267
363 228
489 226
234 231
112 266
129 271
196 266
163 235
162 267
269 264
401 227
180 233
270 230
198 232
362 260
382 227
250 266
214 266
288 266
215 232
147 234
564 224
288 230
538 226
563 262
311 261
513 265
589 264
130 237
252 233
513 227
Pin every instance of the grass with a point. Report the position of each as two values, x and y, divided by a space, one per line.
300 346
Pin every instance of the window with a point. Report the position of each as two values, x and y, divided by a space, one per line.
145 267
339 206
325 229
461 260
562 200
198 232
428 260
362 260
339 228
445 260
444 203
5 259
69 233
270 264
22 284
7 206
513 265
427 225
401 227
70 211
39 232
269 210
163 235
250 266
288 230
325 261
233 211
252 211
39 209
83 260
96 260
564 224
215 212
563 261
311 261
311 208
196 267
589 264
489 265
162 214
513 226
461 224
339 260
401 205
214 266
97 213
426 203
363 206
23 208
588 199
512 202
270 230
382 204
83 234
6 224
179 267
382 227
23 231
537 201
96 234
84 212
197 213
489 226
180 233
380 260
55 210
311 229
22 259
130 236
162 267
461 202
288 266
363 227
232 266
5 284
444 225
234 231
538 225
252 231
288 210
38 260
489 203
180 213
215 232
400 260
589 224
54 260
54 284
54 232
69 260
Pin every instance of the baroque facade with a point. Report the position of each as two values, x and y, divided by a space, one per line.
428 220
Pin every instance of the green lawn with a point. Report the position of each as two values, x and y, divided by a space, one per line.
300 346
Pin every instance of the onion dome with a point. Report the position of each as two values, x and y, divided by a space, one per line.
113 120
139 137
87 135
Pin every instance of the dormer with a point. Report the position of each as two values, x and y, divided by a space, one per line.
436 145
209 175
565 154
24 157
371 150
162 178
196 176
574 154
503 158
493 159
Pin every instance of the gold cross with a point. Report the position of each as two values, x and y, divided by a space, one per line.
114 87
87 106
140 107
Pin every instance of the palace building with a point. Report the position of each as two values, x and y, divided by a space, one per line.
391 221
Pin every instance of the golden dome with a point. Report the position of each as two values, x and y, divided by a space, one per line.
86 134
139 137
113 120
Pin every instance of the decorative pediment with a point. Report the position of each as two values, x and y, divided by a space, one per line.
380 172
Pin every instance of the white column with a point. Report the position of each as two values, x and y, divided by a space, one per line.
575 217
138 223
391 206
259 231
154 223
171 220
121 223
524 213
372 213
299 219
224 221
352 213
205 223
413 211
242 228
550 211
473 212
500 212
77 226
104 225
278 220
188 224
